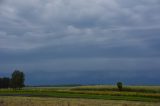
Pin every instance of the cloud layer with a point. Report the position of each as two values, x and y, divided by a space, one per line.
79 36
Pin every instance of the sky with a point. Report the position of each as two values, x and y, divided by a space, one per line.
81 41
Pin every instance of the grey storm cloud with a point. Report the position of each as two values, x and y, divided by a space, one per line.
80 35
35 23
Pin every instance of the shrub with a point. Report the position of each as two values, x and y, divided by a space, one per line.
120 86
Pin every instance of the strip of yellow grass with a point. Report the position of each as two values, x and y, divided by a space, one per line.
112 86
32 101
118 93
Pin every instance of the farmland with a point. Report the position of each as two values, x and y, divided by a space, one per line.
136 94
37 101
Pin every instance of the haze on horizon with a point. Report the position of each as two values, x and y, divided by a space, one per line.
81 41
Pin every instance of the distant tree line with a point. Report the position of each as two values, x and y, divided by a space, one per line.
16 81
4 82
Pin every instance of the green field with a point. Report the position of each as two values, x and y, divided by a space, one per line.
129 93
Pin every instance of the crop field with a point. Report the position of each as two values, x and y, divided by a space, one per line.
99 95
37 101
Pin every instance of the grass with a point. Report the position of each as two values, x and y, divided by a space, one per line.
135 93
145 89
36 101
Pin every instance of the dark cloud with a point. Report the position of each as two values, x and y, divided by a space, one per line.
79 35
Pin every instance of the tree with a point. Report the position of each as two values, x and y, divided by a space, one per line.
17 80
120 86
4 82
1 83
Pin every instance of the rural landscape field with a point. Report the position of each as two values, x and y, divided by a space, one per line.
98 95
79 52
31 101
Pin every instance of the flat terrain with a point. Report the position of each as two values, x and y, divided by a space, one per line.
36 101
99 95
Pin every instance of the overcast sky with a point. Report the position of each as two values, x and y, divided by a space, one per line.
81 41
